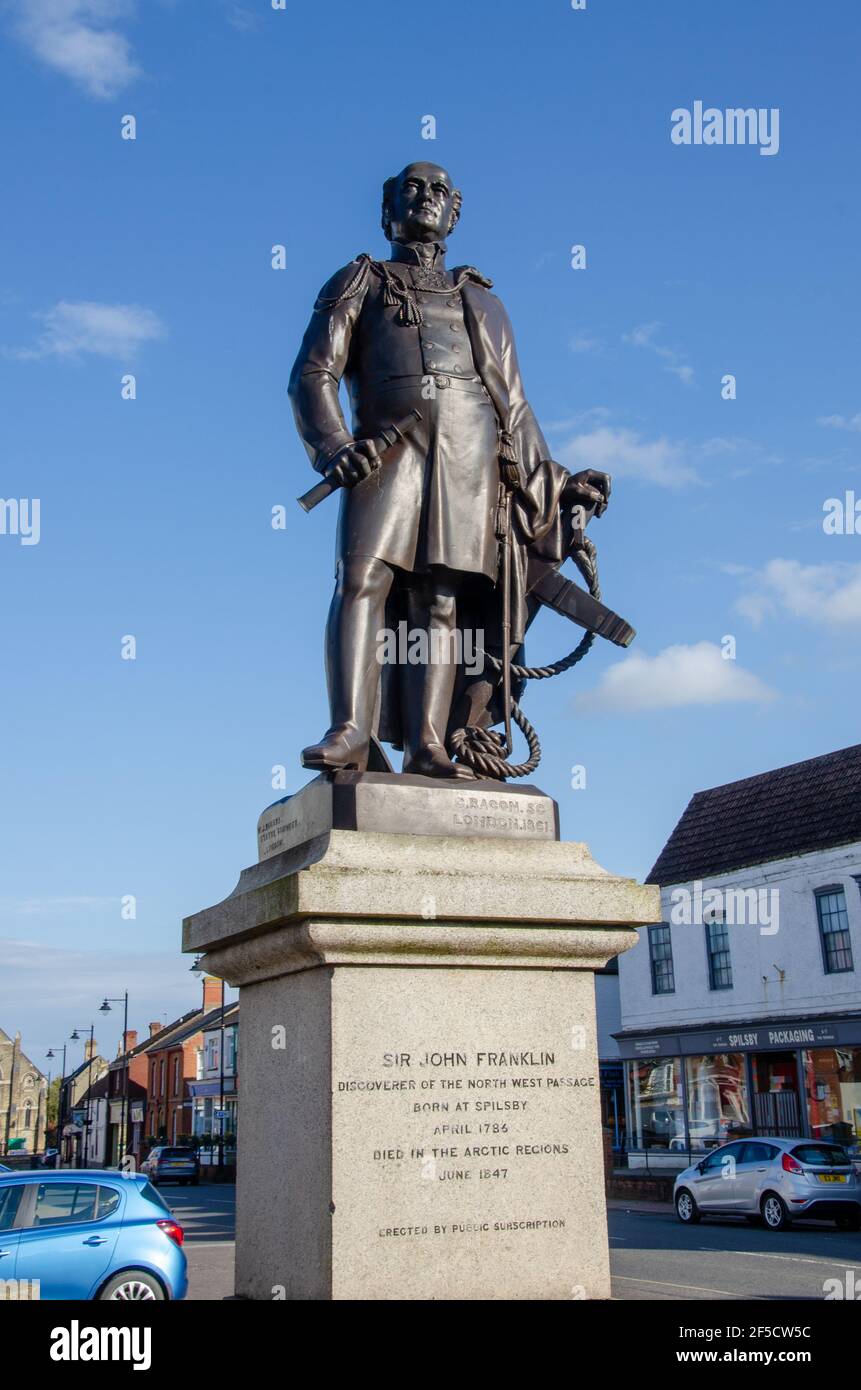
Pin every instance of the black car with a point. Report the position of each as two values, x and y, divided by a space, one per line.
172 1164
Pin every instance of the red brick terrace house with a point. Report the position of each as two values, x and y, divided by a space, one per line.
172 1063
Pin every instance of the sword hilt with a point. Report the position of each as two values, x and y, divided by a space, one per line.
387 437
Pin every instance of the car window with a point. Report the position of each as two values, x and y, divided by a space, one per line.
62 1203
177 1153
10 1200
109 1200
822 1155
719 1156
758 1153
150 1194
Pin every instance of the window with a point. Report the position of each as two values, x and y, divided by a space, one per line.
821 1155
61 1203
759 1153
109 1200
176 1076
834 930
657 1113
727 1153
718 1102
717 946
832 1079
28 1115
10 1198
661 960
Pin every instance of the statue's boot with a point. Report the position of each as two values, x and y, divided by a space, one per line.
353 668
433 761
344 747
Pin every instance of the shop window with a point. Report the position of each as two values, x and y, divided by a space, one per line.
717 948
657 1109
834 930
661 959
718 1099
832 1085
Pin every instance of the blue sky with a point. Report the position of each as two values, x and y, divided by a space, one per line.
257 127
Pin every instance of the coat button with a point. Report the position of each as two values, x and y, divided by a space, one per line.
440 381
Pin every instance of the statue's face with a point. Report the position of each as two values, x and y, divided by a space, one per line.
422 204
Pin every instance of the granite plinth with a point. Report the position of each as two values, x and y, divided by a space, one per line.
420 1113
400 804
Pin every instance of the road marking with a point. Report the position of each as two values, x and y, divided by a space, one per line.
665 1284
768 1255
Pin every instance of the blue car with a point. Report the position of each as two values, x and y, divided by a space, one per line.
90 1234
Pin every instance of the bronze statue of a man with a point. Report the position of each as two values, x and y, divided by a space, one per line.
418 534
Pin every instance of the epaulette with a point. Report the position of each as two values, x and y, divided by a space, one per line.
344 284
470 272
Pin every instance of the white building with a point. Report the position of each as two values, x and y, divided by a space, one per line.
214 1090
741 1013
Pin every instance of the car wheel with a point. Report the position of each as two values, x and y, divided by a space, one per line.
850 1222
686 1208
774 1212
133 1286
183 1182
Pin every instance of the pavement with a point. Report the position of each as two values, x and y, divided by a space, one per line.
652 1255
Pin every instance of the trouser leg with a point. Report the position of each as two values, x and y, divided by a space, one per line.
356 615
428 689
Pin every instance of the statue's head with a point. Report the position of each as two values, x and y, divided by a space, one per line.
420 204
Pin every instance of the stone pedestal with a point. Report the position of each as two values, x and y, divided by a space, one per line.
419 1113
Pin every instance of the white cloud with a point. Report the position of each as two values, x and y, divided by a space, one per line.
43 907
585 342
678 676
105 330
78 38
625 454
674 361
822 594
842 422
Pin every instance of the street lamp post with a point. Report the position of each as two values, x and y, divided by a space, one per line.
106 1009
50 1053
75 1037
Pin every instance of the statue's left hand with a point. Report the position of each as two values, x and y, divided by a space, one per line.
590 489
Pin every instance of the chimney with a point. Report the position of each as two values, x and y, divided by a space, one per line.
130 1039
211 993
154 1028
91 1049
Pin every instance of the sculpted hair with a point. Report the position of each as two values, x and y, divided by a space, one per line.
388 193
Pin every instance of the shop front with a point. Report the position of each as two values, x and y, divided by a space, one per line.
689 1090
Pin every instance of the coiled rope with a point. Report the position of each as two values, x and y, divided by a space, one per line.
484 750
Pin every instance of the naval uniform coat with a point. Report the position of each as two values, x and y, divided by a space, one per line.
433 501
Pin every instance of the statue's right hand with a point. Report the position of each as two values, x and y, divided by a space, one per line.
353 463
